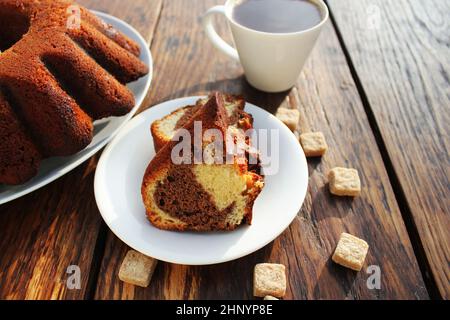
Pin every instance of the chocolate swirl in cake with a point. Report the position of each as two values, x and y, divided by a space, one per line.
180 195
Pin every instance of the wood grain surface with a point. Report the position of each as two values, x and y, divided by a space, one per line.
400 51
44 233
327 97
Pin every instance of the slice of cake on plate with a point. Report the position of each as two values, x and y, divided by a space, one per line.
200 195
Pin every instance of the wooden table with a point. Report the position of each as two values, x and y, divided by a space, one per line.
377 85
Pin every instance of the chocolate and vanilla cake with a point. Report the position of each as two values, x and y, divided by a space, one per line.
163 130
200 196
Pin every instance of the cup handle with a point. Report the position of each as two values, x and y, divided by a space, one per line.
216 40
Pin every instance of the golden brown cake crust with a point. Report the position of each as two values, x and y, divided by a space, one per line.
19 166
58 78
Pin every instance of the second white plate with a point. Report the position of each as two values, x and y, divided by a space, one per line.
118 183
53 168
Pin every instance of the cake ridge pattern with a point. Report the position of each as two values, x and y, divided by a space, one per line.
56 80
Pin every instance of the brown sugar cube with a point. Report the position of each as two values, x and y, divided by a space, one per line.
344 182
270 298
137 269
289 117
313 144
269 279
350 252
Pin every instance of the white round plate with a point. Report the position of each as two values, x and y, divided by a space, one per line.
118 194
104 130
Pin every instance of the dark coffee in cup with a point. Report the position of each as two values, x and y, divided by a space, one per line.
277 16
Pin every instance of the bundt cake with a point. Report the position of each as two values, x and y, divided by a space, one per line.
56 77
205 196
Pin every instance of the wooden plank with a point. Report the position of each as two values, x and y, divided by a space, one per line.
400 51
328 100
140 14
45 232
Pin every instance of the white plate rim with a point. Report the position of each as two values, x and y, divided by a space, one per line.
183 261
66 169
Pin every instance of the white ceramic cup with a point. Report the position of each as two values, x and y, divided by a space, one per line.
272 61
